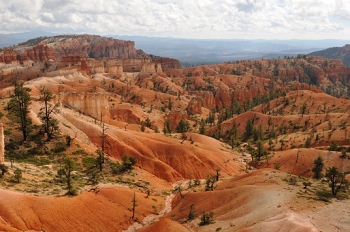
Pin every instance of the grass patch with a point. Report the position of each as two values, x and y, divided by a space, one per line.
165 193
68 126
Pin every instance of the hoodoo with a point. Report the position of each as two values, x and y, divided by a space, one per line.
2 144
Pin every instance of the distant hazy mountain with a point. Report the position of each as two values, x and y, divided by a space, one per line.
195 51
341 53
7 40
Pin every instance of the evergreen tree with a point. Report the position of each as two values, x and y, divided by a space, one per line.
303 109
211 118
308 142
170 104
336 178
318 166
248 129
202 127
260 150
50 124
69 167
18 107
183 126
167 126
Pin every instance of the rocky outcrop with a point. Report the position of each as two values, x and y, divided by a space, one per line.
222 98
69 61
194 106
175 115
167 63
152 68
205 98
92 46
8 56
94 105
58 47
116 70
38 53
124 115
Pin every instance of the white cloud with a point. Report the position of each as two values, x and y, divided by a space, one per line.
181 18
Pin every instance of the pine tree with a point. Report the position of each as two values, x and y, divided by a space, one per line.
18 107
336 178
50 124
202 127
317 169
249 128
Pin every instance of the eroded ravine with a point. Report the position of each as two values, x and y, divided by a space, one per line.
152 217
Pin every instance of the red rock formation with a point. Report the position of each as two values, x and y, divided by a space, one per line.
8 56
167 62
205 98
68 61
92 46
175 116
222 99
124 115
194 106
93 104
38 53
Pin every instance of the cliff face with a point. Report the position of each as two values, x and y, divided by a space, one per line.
37 53
167 62
57 47
92 46
88 53
92 104
8 56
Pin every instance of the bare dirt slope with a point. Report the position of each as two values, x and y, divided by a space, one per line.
110 209
258 201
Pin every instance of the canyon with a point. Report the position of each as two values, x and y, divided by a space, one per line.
187 130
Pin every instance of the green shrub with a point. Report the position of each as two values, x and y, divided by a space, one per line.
116 168
3 169
79 152
206 218
89 162
18 175
59 147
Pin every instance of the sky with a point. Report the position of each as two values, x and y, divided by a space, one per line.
200 19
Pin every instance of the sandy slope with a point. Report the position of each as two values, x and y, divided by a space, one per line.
109 210
257 201
163 156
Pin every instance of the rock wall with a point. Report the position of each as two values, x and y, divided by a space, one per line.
152 68
66 71
94 105
167 63
92 46
194 106
69 61
8 56
38 53
117 67
116 70
124 115
205 98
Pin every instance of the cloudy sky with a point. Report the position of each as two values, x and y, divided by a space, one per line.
219 19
